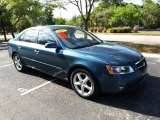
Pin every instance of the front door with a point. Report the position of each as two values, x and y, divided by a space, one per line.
48 60
25 46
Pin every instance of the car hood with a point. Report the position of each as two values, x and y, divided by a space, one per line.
111 53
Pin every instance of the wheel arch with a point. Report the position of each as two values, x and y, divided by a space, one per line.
81 67
13 54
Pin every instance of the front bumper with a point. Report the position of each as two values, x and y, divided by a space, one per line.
121 83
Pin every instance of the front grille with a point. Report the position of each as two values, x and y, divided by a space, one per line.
141 65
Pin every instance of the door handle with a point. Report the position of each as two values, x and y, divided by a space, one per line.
19 47
36 51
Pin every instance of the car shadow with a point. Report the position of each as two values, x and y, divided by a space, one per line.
144 100
47 77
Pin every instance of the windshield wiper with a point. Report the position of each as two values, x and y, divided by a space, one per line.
86 45
82 46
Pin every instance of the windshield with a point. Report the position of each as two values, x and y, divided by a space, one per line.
76 38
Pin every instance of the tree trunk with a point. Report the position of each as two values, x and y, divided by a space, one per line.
12 34
4 33
12 31
86 25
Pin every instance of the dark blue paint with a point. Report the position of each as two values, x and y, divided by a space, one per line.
58 62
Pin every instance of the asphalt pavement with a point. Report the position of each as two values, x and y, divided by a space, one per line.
33 95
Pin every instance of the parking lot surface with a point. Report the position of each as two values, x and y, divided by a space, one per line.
33 95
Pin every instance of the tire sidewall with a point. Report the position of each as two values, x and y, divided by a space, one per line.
15 64
95 85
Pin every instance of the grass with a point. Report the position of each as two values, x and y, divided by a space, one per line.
143 48
2 39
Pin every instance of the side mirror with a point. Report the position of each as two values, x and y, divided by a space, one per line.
51 45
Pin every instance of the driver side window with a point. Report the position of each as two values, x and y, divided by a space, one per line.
45 36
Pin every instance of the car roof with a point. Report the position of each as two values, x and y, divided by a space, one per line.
54 27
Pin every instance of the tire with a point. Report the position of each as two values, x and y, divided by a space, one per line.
18 63
84 84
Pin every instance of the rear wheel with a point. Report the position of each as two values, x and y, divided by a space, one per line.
84 84
18 63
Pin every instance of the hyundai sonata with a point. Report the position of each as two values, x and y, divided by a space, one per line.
88 63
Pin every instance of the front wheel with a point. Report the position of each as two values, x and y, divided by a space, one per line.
18 63
83 83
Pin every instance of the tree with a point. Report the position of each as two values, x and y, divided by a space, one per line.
15 10
1 20
151 14
76 20
20 14
59 21
101 14
112 2
88 7
127 15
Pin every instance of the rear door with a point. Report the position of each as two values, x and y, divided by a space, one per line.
25 46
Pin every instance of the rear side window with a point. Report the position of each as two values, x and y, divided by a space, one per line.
21 37
45 36
29 36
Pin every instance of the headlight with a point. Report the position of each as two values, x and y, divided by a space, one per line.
119 69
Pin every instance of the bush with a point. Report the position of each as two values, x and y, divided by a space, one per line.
95 30
100 30
92 30
120 30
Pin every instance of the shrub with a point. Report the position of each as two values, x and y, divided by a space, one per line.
92 30
100 30
120 30
95 30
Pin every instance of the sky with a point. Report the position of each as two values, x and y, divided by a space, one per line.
72 10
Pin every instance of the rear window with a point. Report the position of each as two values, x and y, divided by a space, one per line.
29 36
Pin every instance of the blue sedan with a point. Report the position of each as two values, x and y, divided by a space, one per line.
89 64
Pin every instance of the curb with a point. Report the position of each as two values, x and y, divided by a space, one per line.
3 48
125 34
151 55
4 42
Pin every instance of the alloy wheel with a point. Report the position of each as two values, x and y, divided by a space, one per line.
83 84
17 62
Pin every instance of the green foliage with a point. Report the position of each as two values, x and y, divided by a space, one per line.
23 24
59 21
112 2
46 17
120 30
125 16
76 20
20 14
112 13
151 14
